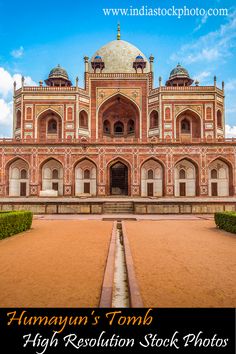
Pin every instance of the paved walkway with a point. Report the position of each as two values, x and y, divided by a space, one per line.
124 217
183 263
55 264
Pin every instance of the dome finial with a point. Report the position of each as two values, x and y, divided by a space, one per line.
118 31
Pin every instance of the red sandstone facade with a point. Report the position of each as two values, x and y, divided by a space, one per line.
118 135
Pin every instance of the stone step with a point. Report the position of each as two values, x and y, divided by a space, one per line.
118 208
117 204
117 212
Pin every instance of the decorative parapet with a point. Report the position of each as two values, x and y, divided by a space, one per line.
186 89
118 141
52 89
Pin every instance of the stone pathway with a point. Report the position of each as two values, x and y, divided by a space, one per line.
107 217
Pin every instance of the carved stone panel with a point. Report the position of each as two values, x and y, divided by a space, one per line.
41 108
133 93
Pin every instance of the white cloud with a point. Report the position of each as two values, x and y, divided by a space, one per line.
7 80
230 131
18 53
202 22
6 92
211 47
201 77
6 112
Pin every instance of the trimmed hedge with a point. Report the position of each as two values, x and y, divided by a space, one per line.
226 221
13 222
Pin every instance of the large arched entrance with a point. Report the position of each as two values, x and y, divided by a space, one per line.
119 179
118 117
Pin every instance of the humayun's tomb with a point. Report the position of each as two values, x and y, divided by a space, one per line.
74 149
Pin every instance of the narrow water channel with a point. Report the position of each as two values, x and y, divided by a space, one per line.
120 296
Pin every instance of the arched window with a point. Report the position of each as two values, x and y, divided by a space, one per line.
154 121
69 113
87 174
185 126
52 126
28 113
214 174
23 174
83 119
208 113
119 128
182 174
150 174
55 174
219 119
130 126
18 119
167 113
18 175
106 127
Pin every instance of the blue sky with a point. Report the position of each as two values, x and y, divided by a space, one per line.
37 35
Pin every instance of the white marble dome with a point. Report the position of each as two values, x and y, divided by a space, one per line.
118 57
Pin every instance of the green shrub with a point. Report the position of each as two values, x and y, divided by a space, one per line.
13 222
226 221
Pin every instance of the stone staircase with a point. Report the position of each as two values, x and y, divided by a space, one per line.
118 207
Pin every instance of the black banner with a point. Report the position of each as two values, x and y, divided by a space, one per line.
117 330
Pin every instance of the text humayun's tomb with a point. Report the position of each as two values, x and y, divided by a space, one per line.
119 135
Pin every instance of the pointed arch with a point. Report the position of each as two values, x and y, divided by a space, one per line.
191 110
130 127
119 177
152 187
51 182
85 158
44 132
18 119
219 118
106 127
120 94
83 119
17 171
195 163
224 185
193 124
43 162
154 119
49 110
118 159
18 157
186 184
85 175
119 108
118 128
